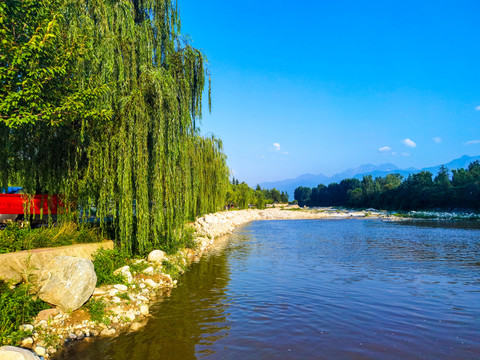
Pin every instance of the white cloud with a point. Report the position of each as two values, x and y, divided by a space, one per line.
437 140
385 149
477 108
409 143
471 142
285 152
276 146
405 154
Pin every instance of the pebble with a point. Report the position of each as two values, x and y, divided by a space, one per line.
27 342
108 332
120 287
144 310
26 327
40 350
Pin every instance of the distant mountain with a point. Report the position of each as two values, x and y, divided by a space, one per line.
310 180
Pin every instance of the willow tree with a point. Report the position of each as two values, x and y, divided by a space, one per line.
137 157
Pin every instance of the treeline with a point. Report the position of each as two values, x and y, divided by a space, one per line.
241 196
99 103
421 191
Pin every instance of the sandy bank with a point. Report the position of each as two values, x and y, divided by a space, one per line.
214 225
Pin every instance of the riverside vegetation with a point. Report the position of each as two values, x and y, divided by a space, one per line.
417 192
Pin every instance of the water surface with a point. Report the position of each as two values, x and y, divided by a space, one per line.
319 289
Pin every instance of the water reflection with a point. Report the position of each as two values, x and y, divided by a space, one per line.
183 324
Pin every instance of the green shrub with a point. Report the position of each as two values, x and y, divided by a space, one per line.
17 307
96 309
105 263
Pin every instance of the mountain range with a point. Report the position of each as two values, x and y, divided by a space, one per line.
310 180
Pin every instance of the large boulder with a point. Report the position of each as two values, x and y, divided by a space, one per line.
67 282
16 353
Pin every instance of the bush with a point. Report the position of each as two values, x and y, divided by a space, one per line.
105 263
96 309
17 307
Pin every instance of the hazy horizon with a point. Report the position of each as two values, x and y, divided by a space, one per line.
321 86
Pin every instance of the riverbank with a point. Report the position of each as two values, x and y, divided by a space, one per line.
125 307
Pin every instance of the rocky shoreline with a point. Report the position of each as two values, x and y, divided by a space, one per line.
126 306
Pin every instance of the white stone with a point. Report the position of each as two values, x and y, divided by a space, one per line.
27 342
151 283
108 332
149 271
121 287
26 327
136 326
67 282
156 256
40 350
130 315
125 272
142 286
113 292
144 309
99 292
16 353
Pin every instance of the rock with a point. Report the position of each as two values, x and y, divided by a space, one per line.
144 309
149 271
156 256
67 282
125 272
121 287
26 327
136 326
16 353
47 314
113 292
80 334
40 350
130 315
108 332
99 292
27 342
151 283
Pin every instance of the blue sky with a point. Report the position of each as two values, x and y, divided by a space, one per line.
321 86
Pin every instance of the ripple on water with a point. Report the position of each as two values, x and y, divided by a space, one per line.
319 289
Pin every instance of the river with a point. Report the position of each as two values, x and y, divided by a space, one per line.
318 289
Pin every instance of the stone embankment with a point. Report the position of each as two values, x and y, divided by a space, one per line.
125 307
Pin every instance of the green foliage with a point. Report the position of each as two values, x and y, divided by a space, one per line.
97 311
241 196
172 269
38 66
418 192
17 307
124 296
124 91
105 263
15 238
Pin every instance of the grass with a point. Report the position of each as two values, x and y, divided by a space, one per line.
172 269
97 311
17 307
15 238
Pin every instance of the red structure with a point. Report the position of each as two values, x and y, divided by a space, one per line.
12 206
